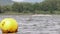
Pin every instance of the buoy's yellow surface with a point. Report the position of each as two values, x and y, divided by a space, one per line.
9 25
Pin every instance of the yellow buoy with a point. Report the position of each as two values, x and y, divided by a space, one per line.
9 25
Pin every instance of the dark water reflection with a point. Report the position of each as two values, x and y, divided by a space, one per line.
8 33
36 24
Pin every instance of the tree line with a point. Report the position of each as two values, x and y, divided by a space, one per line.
47 6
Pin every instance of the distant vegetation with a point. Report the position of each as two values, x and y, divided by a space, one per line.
45 7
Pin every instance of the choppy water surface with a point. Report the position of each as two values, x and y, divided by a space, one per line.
36 24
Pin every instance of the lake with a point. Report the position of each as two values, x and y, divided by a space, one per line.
36 24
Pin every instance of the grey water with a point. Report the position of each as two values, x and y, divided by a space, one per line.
29 24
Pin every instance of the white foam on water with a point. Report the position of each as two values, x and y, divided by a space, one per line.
41 15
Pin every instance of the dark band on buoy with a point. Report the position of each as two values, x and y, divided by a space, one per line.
6 31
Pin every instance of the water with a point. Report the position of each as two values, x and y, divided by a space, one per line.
36 24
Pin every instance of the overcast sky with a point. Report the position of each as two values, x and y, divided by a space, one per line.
27 0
